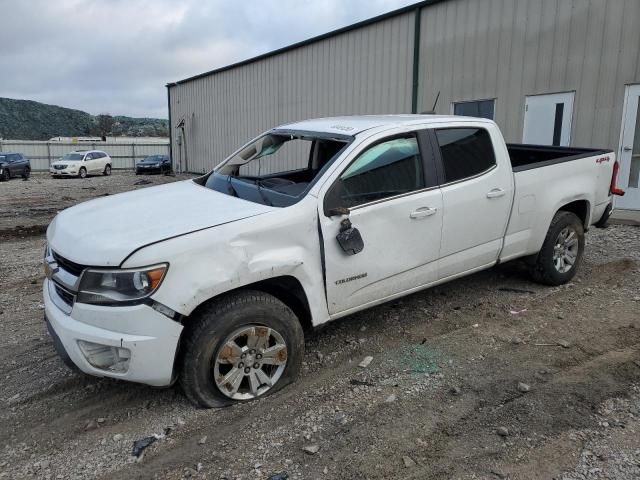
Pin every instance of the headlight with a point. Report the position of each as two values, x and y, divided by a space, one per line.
108 287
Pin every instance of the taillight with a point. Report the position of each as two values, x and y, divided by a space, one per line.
613 189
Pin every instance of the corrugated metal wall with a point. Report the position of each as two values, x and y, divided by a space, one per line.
368 70
469 50
508 49
124 155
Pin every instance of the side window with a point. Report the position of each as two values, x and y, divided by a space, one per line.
386 169
465 152
475 108
88 156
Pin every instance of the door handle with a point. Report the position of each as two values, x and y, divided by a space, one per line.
495 193
423 212
627 149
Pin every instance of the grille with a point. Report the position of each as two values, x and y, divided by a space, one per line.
59 167
68 265
64 295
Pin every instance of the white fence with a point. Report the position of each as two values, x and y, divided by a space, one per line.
124 155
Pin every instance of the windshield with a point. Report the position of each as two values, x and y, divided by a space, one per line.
73 156
278 168
153 158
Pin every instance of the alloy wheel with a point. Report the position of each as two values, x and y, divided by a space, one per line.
250 362
565 250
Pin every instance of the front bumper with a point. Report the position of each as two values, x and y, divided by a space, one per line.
153 169
150 338
66 172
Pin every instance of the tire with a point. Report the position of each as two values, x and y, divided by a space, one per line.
82 173
26 173
6 175
221 321
107 170
551 266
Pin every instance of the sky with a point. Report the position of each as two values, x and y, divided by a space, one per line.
116 56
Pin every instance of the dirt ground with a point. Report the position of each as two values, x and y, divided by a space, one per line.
441 398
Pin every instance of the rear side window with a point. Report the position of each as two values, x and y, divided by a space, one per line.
465 152
392 167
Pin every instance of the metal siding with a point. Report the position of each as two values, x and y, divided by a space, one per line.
324 78
508 49
469 50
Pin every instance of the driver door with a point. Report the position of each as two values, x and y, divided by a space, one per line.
396 205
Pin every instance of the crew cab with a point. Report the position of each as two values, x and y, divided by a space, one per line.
214 282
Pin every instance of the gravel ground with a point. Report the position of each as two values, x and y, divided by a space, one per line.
491 376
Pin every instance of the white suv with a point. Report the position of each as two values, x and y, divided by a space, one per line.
82 163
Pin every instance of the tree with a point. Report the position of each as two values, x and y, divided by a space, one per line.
103 125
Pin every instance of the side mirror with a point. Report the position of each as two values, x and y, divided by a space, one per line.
349 238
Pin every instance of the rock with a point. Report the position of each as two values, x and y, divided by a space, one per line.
117 437
363 328
455 391
563 343
408 462
91 425
341 419
391 398
198 467
516 340
311 449
203 440
502 431
101 420
325 470
319 356
523 387
365 362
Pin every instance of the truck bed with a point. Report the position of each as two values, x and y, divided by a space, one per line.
527 157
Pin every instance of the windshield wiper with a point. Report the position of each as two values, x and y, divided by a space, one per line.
233 189
262 196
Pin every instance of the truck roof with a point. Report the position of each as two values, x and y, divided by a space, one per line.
353 125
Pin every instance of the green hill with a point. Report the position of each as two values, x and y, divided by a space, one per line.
29 120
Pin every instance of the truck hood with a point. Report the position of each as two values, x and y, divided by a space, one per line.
104 231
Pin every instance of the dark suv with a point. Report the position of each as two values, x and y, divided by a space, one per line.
14 164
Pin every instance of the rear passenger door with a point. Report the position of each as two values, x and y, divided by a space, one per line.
476 196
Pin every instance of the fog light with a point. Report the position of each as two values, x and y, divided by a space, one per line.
106 357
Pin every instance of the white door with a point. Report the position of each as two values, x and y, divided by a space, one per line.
476 195
629 153
547 119
398 218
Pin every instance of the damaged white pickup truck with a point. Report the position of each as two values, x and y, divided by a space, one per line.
211 281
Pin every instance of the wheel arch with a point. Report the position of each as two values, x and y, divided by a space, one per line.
285 288
581 208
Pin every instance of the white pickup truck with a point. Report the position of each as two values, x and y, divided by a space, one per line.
211 281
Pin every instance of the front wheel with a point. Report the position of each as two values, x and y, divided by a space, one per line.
107 171
26 173
82 173
239 348
561 252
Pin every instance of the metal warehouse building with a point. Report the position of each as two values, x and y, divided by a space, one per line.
563 72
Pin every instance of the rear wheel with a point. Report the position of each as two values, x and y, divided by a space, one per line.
82 173
561 252
239 348
107 170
